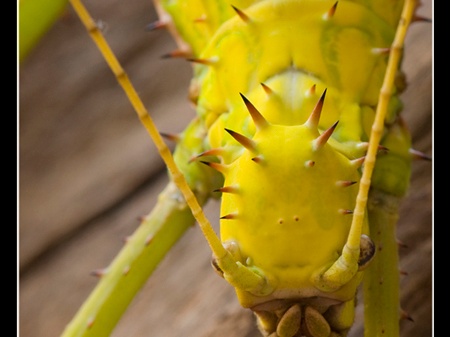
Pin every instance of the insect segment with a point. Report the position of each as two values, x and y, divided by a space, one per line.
286 94
291 170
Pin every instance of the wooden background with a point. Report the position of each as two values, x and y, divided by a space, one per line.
88 171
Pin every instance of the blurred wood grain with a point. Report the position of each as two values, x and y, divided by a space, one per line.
88 171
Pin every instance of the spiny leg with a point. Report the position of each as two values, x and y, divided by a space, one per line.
99 305
347 264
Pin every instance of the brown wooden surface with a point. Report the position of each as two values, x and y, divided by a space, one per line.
88 170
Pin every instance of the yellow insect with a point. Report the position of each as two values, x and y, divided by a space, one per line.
313 119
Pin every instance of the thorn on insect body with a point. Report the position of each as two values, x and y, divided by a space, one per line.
381 51
418 18
401 244
328 15
217 166
403 272
258 159
382 149
227 189
311 91
155 25
230 216
176 53
356 163
212 152
405 315
126 239
98 272
207 62
415 154
126 270
170 136
345 183
345 211
320 141
267 89
241 14
313 120
310 163
248 143
258 119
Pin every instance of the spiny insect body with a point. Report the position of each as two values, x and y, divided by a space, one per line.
290 187
286 93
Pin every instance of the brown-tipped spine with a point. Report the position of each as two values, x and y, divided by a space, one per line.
241 14
345 211
313 120
230 216
217 166
258 119
227 189
212 152
155 25
331 11
176 53
345 183
98 272
357 162
415 154
267 89
170 136
320 141
206 62
311 91
248 143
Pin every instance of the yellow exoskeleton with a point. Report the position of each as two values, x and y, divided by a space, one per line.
299 127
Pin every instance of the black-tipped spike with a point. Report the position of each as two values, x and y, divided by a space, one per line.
419 155
418 18
267 89
311 91
313 120
244 141
227 189
217 166
345 183
241 14
310 163
258 159
175 53
405 315
98 272
357 162
320 141
155 25
170 136
206 62
258 119
331 12
345 211
230 216
211 152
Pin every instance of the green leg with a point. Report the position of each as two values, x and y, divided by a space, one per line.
381 278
